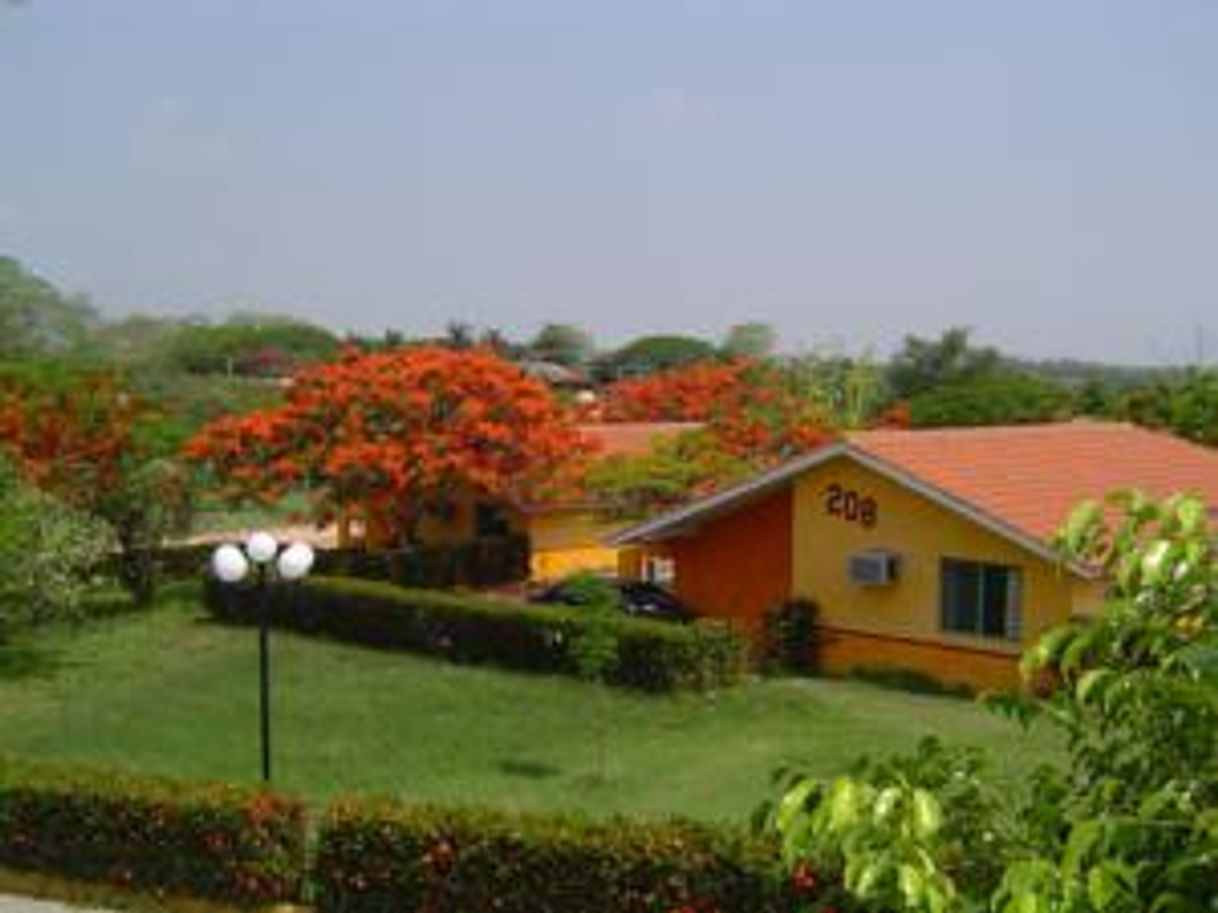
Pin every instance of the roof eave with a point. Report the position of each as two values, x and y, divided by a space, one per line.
684 519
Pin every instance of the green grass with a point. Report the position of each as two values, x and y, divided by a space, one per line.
172 693
215 516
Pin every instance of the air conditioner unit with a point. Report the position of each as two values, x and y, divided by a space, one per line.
873 568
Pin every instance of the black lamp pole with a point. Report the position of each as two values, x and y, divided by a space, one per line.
264 670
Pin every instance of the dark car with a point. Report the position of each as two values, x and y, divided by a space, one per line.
639 598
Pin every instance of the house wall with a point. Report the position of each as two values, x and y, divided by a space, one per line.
738 566
898 625
566 540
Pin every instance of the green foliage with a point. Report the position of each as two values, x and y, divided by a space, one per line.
749 340
594 648
995 399
652 655
790 636
383 857
649 354
924 364
849 392
154 500
1129 822
1188 406
562 343
203 840
252 346
631 486
48 553
35 317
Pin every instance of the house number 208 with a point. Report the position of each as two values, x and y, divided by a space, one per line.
850 505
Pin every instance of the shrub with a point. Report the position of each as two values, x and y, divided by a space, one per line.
384 857
215 841
652 655
490 561
790 636
48 551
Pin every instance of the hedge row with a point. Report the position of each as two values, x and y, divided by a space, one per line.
215 841
385 857
483 562
247 848
652 655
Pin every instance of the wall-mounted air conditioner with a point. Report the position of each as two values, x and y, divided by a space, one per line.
873 568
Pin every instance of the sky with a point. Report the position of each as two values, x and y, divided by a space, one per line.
1045 172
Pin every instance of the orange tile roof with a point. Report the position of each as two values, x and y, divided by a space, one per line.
1031 476
632 438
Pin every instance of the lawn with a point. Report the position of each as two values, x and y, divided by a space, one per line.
173 693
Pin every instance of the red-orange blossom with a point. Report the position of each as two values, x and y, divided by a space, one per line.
399 433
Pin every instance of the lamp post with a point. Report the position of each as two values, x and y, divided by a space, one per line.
232 564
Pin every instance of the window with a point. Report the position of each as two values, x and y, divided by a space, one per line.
659 570
491 520
981 599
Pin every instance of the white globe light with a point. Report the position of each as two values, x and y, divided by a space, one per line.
229 565
261 547
295 561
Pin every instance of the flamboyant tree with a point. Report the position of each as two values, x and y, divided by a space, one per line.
691 393
751 409
397 435
90 442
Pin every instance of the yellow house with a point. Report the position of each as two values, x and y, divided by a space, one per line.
575 536
923 550
564 537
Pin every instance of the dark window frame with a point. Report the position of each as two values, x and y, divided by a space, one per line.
993 614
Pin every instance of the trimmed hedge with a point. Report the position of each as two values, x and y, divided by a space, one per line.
652 655
491 561
214 841
386 857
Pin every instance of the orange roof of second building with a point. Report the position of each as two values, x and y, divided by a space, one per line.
1032 476
1022 481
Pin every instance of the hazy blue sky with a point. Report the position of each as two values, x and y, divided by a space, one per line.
1046 172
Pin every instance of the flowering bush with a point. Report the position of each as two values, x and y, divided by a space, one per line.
48 553
215 841
383 857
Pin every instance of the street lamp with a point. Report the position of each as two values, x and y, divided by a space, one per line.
231 564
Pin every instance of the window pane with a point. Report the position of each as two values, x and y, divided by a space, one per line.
994 600
1015 606
961 591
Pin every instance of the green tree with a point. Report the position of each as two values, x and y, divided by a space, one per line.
1193 407
676 467
923 364
649 354
459 335
993 399
750 340
562 343
849 392
251 345
36 317
88 441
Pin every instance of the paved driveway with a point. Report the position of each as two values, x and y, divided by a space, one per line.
11 904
